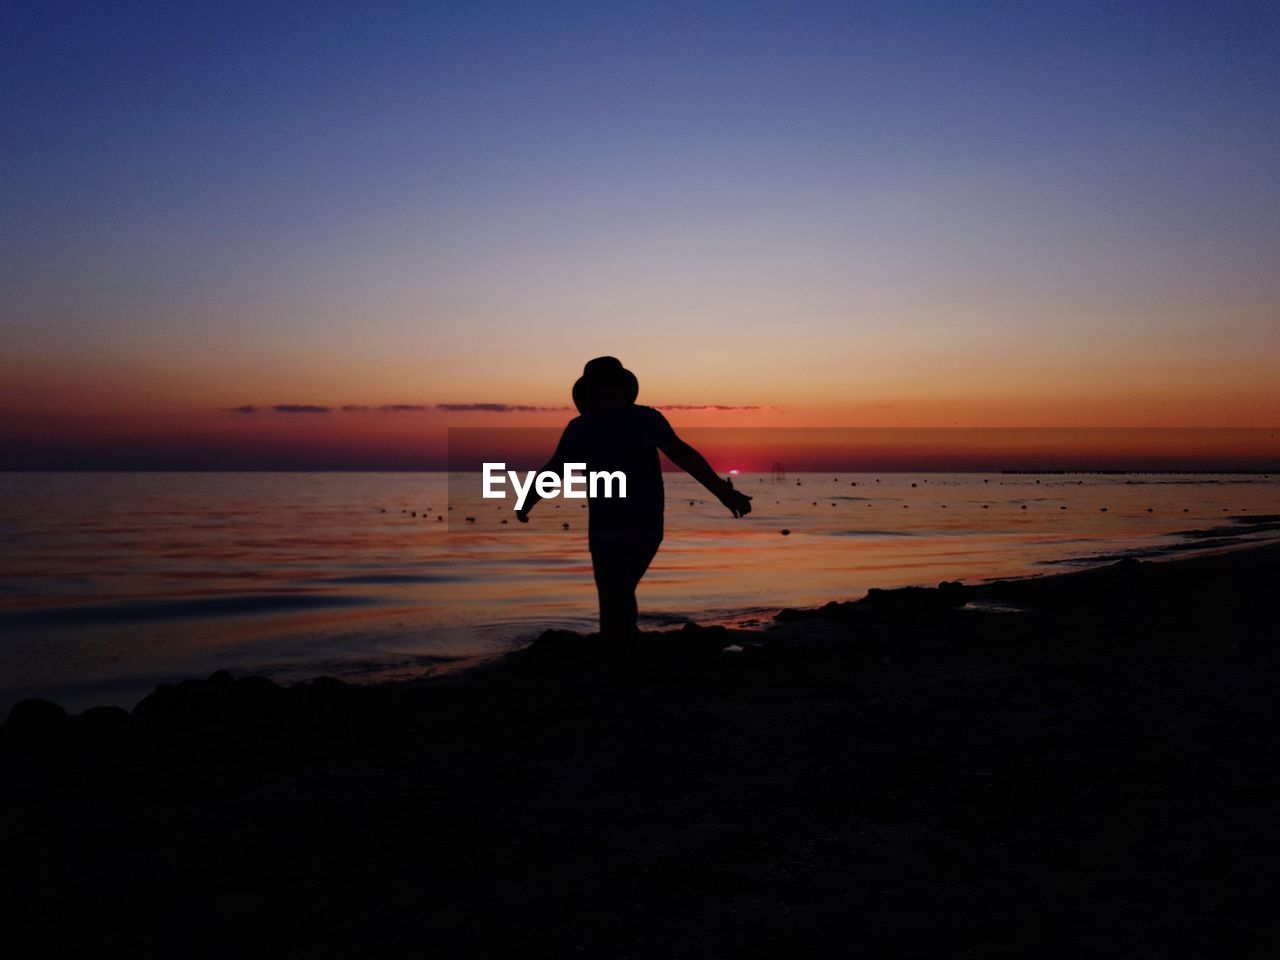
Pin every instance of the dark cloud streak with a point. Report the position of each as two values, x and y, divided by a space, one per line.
465 408
710 406
496 408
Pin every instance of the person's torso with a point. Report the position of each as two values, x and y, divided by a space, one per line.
622 441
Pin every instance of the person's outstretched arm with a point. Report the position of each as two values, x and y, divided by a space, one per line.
554 465
695 464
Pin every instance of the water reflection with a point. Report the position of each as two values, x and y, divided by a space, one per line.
112 581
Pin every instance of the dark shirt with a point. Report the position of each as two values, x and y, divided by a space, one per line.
626 439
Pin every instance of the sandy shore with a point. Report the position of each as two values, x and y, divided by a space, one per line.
1082 764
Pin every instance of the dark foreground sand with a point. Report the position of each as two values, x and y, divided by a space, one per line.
1096 775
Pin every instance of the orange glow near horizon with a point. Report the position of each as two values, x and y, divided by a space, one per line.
158 423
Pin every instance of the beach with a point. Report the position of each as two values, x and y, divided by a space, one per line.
1081 764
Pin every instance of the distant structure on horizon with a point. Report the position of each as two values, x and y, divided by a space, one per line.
779 473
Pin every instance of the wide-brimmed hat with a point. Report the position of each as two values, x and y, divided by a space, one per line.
605 383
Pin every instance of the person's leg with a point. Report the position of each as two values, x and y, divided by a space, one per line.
638 562
611 589
617 574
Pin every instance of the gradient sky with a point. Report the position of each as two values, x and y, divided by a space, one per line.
984 214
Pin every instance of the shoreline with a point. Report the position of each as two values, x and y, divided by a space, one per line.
1233 532
1080 762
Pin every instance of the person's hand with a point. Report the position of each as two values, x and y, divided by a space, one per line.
739 504
522 516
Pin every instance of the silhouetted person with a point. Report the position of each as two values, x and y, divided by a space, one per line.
613 432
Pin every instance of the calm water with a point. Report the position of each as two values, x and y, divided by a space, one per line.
111 583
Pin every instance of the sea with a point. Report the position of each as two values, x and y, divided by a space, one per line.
111 583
